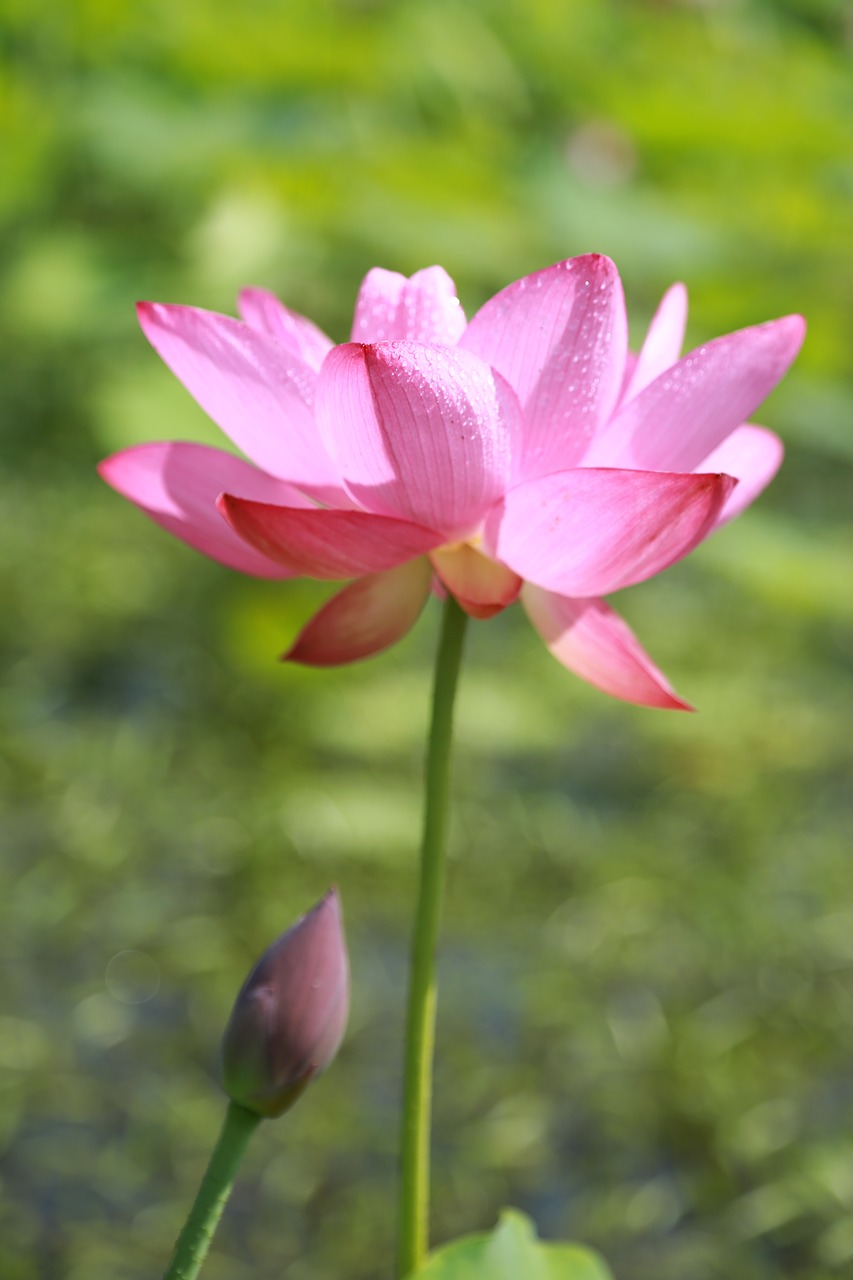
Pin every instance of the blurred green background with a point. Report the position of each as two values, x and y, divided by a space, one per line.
646 1020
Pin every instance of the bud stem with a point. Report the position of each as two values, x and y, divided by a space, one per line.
413 1220
194 1240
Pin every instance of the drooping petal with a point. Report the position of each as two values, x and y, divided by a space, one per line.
258 391
663 342
422 433
327 544
177 486
366 617
481 586
262 311
589 532
559 337
419 308
589 638
683 415
752 455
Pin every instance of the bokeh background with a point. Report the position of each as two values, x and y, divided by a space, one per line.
646 1021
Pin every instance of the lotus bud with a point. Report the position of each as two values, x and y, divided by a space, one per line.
290 1015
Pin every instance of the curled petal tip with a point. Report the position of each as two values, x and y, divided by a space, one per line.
678 704
146 311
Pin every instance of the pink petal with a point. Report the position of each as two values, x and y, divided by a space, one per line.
589 532
422 433
421 308
262 311
481 586
366 617
327 544
560 338
663 342
753 455
589 638
255 389
690 409
177 486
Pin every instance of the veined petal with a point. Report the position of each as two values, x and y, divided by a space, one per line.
257 390
421 433
589 532
753 455
327 544
589 638
366 617
481 586
683 415
262 311
177 486
663 342
420 308
560 338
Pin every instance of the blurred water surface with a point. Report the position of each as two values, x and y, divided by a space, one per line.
646 1029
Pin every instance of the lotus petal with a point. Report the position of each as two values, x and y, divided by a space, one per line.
481 586
688 411
327 544
589 638
420 308
177 486
663 342
589 532
420 433
559 337
752 455
365 618
255 389
262 311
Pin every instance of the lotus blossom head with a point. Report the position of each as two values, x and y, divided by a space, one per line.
525 455
290 1015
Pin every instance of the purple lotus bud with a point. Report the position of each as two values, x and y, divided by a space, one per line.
289 1018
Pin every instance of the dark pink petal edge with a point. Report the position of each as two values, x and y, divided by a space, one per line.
589 532
327 544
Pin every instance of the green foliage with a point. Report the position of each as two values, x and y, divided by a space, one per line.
509 1252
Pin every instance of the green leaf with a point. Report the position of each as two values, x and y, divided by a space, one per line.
509 1252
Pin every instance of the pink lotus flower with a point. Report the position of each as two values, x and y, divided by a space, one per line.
524 455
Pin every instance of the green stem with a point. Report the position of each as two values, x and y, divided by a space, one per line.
194 1240
413 1224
